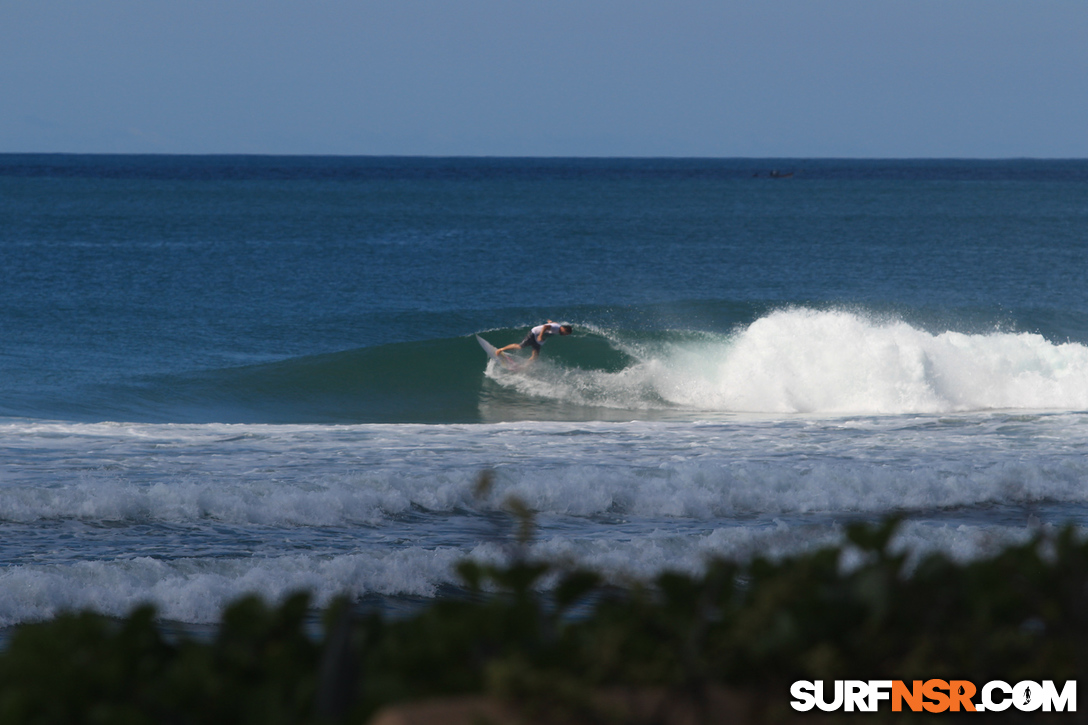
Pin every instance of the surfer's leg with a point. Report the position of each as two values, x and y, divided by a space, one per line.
529 340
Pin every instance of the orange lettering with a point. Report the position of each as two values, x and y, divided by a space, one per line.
964 697
913 697
932 690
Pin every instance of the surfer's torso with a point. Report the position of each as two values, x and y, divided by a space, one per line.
540 333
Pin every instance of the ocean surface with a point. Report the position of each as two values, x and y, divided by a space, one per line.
222 375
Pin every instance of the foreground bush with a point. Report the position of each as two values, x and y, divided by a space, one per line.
1022 615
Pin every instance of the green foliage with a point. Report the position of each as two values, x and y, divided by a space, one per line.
757 627
87 668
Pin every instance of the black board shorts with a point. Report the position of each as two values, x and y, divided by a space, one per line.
530 340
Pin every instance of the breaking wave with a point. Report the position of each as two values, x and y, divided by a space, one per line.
823 362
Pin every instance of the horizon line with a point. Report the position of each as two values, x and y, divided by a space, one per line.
555 157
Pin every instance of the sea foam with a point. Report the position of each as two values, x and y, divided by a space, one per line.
196 590
828 362
191 516
368 475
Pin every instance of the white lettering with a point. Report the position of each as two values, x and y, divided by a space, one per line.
1067 698
996 705
857 695
805 700
879 690
834 704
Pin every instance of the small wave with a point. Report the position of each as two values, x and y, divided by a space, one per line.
359 476
196 590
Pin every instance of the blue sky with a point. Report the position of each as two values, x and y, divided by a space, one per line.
764 78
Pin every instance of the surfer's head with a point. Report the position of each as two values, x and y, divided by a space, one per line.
565 329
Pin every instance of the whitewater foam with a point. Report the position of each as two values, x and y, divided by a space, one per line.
305 476
196 590
192 516
827 362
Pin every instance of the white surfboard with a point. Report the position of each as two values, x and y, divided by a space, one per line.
493 353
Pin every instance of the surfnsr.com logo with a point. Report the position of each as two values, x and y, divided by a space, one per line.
934 696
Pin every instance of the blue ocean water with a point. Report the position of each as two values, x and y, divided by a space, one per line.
222 375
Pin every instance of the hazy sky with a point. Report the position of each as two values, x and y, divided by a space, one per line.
857 78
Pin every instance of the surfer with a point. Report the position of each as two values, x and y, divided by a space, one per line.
536 338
